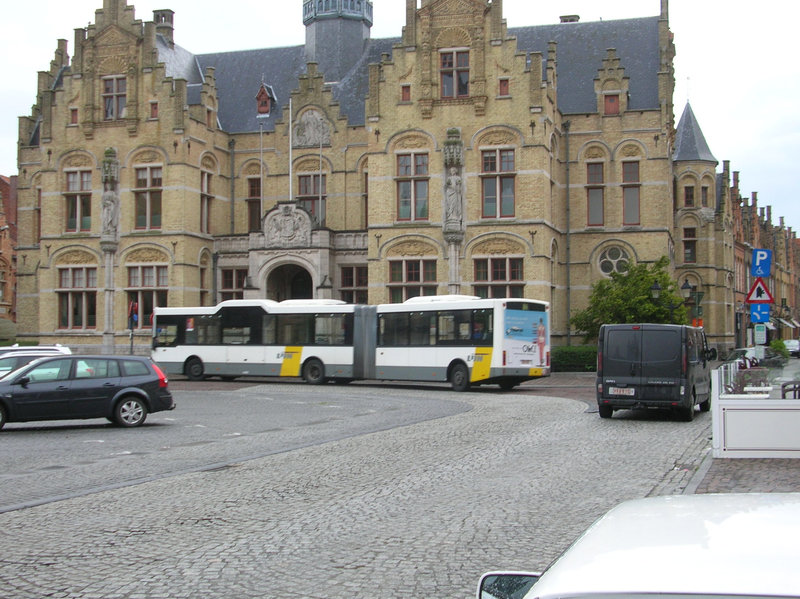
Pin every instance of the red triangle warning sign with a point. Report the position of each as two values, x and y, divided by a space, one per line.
759 294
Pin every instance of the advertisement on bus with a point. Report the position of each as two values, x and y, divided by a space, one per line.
526 338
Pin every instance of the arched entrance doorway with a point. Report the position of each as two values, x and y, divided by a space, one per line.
289 282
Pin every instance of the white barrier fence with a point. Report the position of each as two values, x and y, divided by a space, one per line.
751 418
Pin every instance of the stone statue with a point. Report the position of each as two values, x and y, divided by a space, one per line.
453 198
110 210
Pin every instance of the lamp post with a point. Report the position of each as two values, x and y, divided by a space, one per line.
686 291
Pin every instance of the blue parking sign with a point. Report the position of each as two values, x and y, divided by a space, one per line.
762 263
759 313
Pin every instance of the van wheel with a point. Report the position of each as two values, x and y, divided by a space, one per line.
705 406
605 411
194 369
459 378
314 372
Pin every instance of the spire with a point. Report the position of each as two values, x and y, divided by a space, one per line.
689 141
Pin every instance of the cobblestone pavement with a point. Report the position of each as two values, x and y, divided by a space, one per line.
700 472
414 511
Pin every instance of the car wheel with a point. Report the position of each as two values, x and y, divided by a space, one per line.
459 378
130 411
314 372
2 416
194 369
605 411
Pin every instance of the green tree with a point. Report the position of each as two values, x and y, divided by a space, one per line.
628 298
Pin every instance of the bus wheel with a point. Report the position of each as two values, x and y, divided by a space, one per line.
194 369
507 384
459 377
314 372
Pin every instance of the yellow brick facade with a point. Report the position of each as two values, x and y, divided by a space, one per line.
205 245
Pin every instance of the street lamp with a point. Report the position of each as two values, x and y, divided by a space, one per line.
687 290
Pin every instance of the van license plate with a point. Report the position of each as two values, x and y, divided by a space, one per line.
630 391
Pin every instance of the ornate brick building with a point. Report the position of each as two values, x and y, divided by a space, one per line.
463 156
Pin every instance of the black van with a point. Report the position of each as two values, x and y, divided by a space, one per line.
653 366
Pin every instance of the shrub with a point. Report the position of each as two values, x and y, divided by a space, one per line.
574 358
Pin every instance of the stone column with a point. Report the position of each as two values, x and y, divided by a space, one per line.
453 206
109 242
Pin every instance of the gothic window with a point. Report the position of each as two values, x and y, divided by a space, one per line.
412 186
498 277
353 288
411 278
205 202
78 197
147 288
454 72
497 182
614 259
77 297
630 193
253 204
595 193
312 197
114 97
147 196
233 283
690 245
688 196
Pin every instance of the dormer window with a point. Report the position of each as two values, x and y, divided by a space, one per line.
264 99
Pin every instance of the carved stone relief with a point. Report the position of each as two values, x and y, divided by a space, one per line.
496 138
76 257
147 255
146 157
287 226
493 247
77 160
311 129
412 248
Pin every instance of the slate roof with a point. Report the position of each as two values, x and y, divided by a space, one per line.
580 52
690 144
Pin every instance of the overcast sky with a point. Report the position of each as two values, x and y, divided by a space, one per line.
736 63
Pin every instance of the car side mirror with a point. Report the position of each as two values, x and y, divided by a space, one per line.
22 381
506 585
712 353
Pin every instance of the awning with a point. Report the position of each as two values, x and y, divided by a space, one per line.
795 323
786 324
770 326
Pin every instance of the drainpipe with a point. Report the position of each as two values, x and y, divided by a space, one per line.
231 147
566 125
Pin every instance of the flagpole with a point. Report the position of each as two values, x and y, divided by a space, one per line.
291 182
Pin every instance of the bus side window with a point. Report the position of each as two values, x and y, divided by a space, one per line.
269 330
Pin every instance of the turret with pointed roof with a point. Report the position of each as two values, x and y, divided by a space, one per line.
690 144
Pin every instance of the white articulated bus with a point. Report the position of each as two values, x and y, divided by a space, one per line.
463 340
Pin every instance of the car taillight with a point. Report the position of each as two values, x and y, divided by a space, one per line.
162 378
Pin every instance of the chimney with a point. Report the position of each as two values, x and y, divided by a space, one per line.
163 20
570 18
